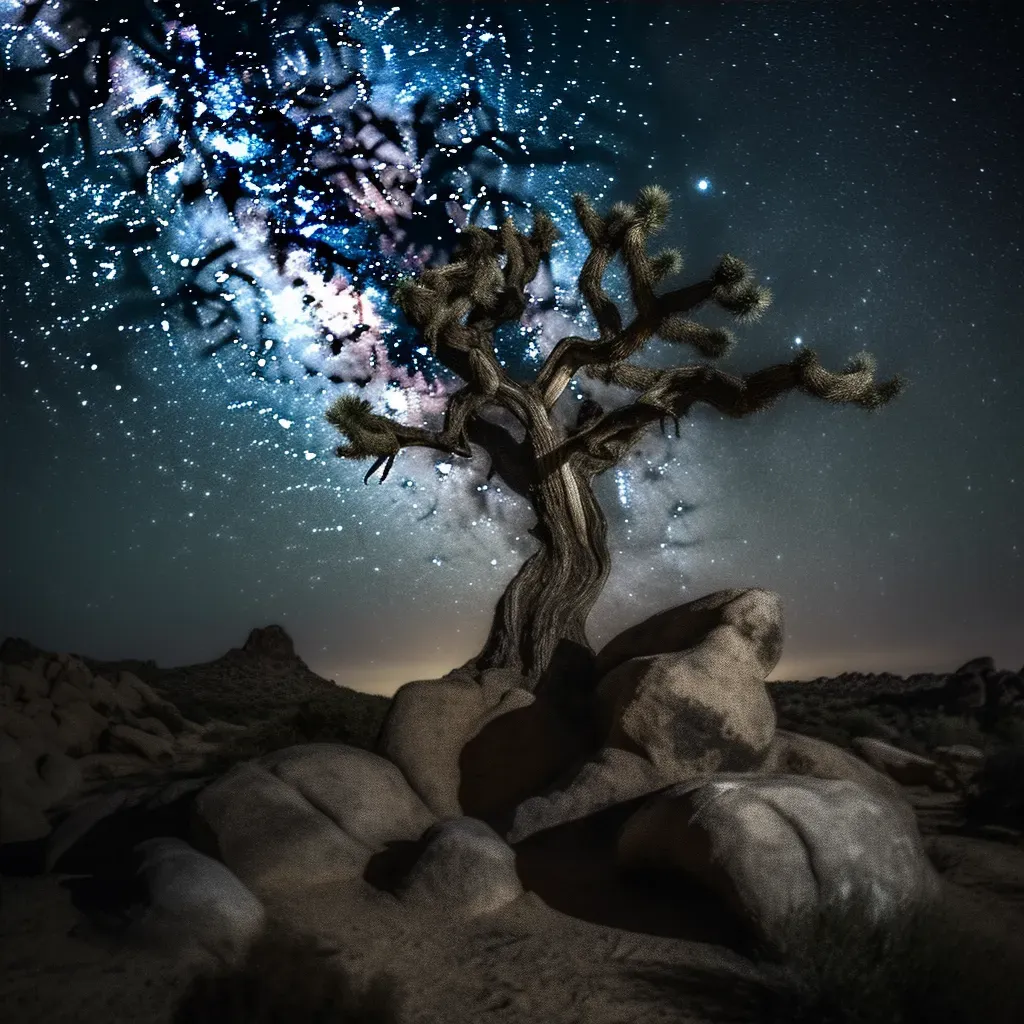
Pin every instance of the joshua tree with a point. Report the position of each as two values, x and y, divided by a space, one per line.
539 624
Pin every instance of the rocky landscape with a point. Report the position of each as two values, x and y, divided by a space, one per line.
155 823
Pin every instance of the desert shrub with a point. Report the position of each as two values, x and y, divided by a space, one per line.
862 722
947 730
284 980
322 720
276 734
998 791
940 963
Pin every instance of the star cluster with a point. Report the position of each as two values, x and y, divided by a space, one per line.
208 208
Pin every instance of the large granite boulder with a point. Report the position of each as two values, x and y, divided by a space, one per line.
792 753
772 847
196 907
64 728
306 814
465 870
430 721
683 696
754 613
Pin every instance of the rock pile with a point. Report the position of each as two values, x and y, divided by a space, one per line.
979 690
64 728
681 717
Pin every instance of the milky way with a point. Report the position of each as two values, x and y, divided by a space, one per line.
199 259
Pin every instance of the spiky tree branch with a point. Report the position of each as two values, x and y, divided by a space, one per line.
459 307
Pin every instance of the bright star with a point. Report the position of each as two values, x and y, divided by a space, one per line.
703 184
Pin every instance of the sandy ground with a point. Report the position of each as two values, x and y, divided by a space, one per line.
592 961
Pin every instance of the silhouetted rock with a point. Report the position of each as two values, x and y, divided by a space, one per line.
270 642
981 665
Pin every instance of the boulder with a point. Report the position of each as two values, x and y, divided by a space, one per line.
195 905
61 776
792 753
307 814
703 706
76 672
754 613
104 767
102 694
86 814
79 726
127 739
960 753
62 692
1003 689
964 693
30 784
37 707
167 714
429 722
25 683
127 696
776 846
466 870
900 765
154 727
700 708
612 776
148 695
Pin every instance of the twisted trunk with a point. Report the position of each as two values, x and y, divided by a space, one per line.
539 625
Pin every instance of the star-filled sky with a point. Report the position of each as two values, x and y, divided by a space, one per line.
196 261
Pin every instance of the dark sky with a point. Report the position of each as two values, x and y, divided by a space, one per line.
864 159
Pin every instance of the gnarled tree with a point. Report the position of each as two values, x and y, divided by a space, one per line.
539 624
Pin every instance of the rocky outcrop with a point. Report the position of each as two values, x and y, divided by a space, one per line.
979 690
698 706
773 847
64 728
900 765
305 815
465 870
196 909
270 642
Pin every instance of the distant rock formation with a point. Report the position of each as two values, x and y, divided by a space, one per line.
65 728
270 642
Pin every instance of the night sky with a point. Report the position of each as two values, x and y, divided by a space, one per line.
863 159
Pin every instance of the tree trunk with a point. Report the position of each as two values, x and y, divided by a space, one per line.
539 626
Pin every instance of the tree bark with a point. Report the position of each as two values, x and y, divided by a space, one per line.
539 625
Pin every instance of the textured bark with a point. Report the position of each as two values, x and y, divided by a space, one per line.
545 608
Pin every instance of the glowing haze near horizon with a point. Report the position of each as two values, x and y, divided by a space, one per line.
160 505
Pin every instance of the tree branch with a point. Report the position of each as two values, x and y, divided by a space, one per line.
673 392
626 230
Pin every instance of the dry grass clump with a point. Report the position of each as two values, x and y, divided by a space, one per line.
286 979
943 963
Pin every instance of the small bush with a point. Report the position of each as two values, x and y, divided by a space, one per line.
939 964
862 722
314 721
285 980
